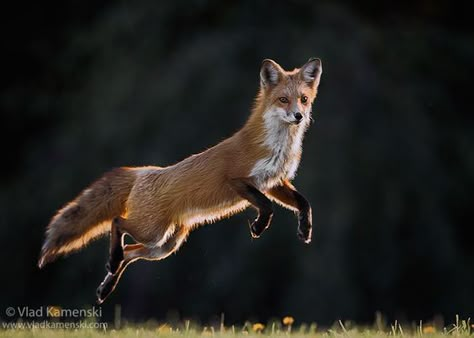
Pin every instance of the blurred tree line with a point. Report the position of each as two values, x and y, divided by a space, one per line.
388 164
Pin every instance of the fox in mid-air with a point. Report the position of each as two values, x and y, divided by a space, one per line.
159 206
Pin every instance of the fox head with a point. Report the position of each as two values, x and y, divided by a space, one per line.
287 96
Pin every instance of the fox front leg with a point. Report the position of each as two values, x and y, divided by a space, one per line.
287 195
259 201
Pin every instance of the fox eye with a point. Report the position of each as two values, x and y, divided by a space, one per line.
304 99
283 99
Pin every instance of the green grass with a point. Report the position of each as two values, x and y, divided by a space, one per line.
461 328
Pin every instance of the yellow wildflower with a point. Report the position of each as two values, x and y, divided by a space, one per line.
288 320
429 329
258 327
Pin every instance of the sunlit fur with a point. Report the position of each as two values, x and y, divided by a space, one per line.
156 202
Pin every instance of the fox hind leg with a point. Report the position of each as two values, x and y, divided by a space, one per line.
119 228
116 246
111 279
138 251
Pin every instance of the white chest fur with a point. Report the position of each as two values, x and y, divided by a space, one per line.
284 142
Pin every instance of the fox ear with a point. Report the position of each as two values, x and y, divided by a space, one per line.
270 73
311 71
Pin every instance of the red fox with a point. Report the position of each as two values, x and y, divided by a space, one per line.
159 206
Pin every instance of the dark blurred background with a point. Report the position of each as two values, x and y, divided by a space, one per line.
388 164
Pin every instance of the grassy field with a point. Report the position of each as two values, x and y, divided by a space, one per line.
461 328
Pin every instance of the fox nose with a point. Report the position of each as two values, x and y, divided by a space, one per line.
298 116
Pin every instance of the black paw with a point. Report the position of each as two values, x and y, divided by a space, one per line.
256 229
105 288
304 234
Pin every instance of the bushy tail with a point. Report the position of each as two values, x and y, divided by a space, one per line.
87 216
